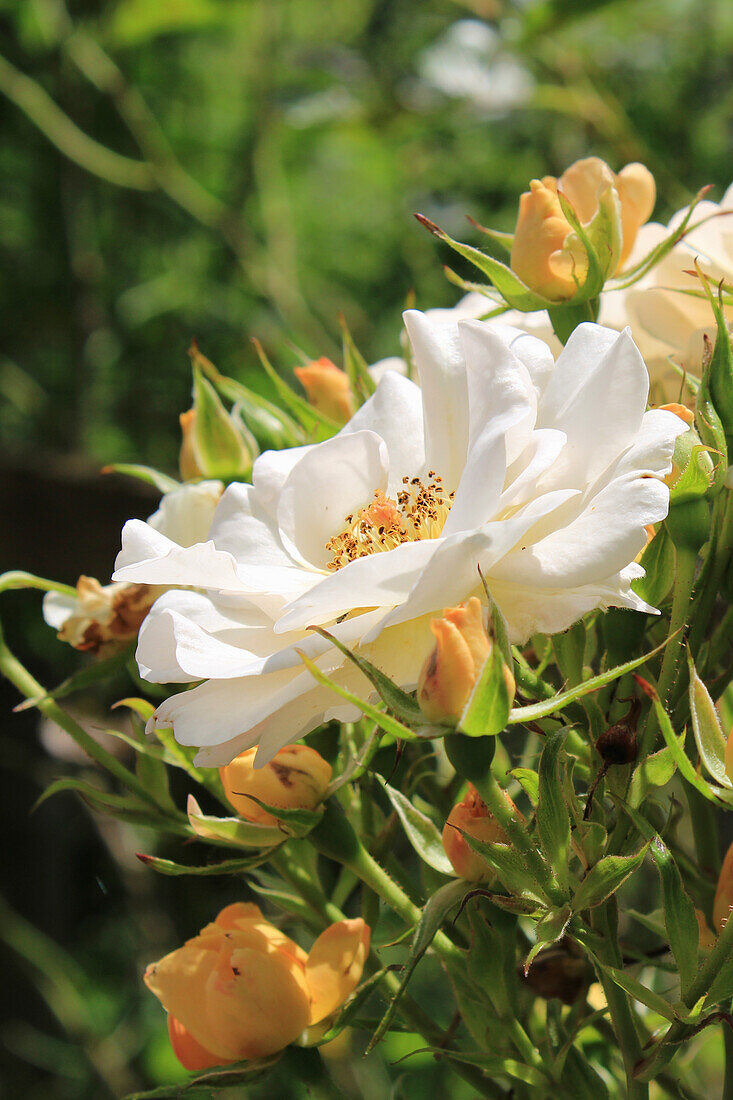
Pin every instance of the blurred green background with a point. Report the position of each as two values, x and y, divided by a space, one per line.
220 169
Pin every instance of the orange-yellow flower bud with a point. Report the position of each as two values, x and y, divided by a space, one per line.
328 389
295 779
723 902
450 672
242 989
547 254
188 466
472 816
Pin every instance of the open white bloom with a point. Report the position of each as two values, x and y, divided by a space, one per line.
101 618
543 474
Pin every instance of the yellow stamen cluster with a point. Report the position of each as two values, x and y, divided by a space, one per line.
419 512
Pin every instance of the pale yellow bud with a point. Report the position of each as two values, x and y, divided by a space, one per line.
546 253
295 779
328 389
471 816
450 672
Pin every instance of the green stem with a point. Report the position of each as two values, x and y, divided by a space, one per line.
712 572
622 1019
704 830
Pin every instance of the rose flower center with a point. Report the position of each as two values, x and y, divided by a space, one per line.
419 512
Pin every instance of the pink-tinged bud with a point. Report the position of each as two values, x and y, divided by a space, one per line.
188 466
295 779
547 254
328 389
723 903
450 672
472 817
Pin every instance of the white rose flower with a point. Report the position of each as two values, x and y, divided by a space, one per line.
101 618
543 474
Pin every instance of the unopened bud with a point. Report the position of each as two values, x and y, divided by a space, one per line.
450 673
295 779
723 902
547 254
471 816
328 389
216 443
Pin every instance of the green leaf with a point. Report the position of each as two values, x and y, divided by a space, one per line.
641 993
232 831
492 1063
509 866
399 702
244 1073
529 781
162 482
295 822
553 819
124 807
677 749
491 964
605 878
696 478
431 918
659 562
352 1008
558 702
356 366
487 711
679 914
655 771
510 286
709 737
421 832
227 867
548 930
385 721
315 423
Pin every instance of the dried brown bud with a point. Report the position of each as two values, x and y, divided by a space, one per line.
618 744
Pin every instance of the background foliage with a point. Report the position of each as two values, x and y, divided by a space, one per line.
223 169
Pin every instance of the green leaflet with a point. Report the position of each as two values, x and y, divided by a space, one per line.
509 285
385 721
226 867
709 737
421 832
232 831
246 1073
509 866
605 878
162 482
553 819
